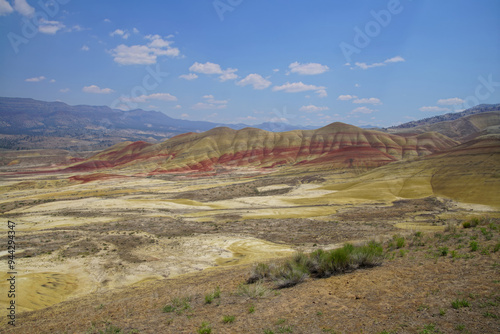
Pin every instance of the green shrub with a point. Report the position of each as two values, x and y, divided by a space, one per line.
227 319
209 298
473 246
205 328
459 303
400 242
443 251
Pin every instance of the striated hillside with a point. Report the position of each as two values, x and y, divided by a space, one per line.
337 144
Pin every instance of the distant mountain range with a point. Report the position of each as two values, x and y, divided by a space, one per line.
29 123
448 117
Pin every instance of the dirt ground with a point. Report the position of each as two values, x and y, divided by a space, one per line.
419 288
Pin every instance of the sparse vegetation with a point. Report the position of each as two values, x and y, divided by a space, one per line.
209 298
227 319
205 328
459 303
319 263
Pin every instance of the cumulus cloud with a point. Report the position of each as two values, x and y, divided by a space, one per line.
23 8
144 54
144 98
210 103
5 8
64 90
450 102
97 90
212 68
362 110
297 87
371 100
36 79
365 66
190 76
346 97
122 33
85 48
256 80
308 69
50 27
433 109
312 108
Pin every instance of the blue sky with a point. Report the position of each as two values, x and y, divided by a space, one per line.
240 61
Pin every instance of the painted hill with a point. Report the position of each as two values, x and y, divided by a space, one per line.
467 173
337 145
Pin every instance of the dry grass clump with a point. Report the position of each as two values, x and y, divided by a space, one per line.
318 264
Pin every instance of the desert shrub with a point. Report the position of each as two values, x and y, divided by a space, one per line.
259 272
252 290
319 263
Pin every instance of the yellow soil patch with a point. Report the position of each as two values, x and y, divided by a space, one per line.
38 290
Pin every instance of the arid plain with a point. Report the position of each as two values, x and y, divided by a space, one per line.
138 224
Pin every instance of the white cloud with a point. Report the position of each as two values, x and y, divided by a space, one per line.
362 110
122 33
228 74
185 116
396 59
157 96
212 68
85 48
346 97
210 103
371 100
76 28
365 66
135 31
433 109
256 80
144 54
5 8
178 106
23 8
276 70
64 90
36 79
312 108
248 118
207 68
297 87
96 90
308 69
52 80
50 27
450 102
190 76
107 20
